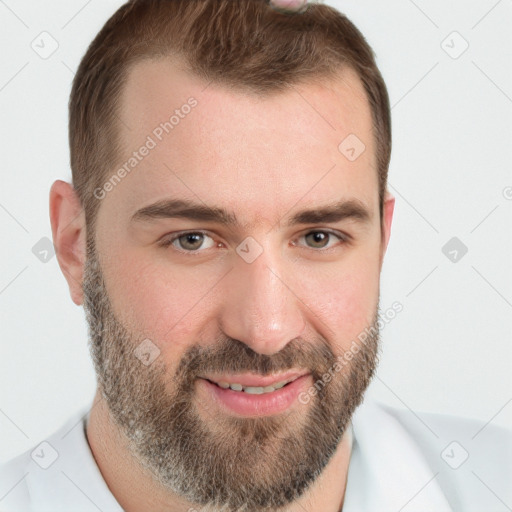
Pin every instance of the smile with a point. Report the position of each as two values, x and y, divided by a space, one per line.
253 395
253 390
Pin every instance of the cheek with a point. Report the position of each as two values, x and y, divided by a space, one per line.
158 302
345 299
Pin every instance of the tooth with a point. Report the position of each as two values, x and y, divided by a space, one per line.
253 390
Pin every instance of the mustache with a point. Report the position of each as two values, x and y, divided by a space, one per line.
228 355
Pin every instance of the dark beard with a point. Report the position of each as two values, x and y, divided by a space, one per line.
230 463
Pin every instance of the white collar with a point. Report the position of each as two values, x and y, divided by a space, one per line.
387 471
74 481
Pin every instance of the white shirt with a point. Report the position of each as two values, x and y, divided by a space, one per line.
400 462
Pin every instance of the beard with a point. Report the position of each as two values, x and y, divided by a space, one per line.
197 452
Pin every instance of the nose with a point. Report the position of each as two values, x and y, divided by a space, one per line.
260 306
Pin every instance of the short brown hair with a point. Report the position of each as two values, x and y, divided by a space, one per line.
239 43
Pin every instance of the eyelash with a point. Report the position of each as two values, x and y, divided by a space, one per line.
167 242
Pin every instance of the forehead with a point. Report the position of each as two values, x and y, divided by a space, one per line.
231 146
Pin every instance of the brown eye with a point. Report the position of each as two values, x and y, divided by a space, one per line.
191 242
322 239
317 239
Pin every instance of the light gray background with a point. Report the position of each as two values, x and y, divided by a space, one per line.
448 351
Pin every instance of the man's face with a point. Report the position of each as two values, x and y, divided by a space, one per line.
173 317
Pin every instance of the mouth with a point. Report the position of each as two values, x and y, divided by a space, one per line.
252 390
254 384
254 395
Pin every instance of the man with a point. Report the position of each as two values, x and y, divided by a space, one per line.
225 232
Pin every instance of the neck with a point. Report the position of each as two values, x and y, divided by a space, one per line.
136 491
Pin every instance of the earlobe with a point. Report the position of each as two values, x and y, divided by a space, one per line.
69 235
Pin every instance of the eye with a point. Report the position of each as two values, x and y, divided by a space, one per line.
191 241
322 239
196 241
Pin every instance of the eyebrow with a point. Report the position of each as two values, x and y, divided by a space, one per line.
186 209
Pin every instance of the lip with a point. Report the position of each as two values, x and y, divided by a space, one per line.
251 379
249 405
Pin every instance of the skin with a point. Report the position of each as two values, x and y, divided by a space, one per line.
289 5
264 158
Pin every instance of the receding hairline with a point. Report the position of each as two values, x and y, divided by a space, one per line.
179 61
345 74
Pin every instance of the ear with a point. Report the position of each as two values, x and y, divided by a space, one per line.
388 209
67 218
